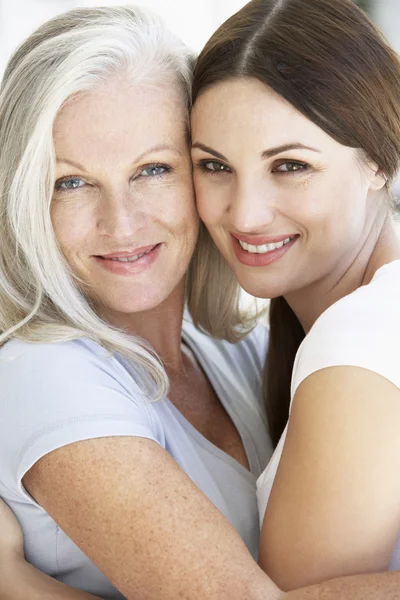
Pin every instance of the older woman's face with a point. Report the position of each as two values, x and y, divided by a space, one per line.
123 208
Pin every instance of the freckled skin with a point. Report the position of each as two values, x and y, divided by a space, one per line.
117 208
124 500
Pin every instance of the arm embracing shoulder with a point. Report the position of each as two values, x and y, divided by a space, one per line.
378 586
91 454
334 508
18 579
134 512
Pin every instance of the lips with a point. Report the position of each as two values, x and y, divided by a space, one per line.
261 240
129 262
128 255
266 250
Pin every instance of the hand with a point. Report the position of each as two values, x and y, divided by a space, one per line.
11 538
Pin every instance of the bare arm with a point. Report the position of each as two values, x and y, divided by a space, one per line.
377 586
334 508
26 582
18 579
127 504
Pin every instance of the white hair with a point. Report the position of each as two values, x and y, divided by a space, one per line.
40 299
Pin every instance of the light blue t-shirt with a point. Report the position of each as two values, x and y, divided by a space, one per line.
57 394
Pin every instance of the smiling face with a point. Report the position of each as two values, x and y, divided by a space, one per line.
123 208
285 204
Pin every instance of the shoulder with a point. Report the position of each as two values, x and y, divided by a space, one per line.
56 394
20 350
361 330
57 364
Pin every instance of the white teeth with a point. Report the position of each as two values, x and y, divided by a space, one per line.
131 258
265 247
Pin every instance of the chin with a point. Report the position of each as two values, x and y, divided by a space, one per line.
262 289
131 308
129 303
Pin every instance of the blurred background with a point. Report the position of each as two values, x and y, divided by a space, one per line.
194 21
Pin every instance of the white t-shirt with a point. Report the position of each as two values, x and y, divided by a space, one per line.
360 330
57 394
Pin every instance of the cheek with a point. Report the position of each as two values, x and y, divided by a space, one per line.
178 209
72 224
314 201
187 203
333 215
210 202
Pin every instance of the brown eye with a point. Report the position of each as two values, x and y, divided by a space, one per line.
291 166
214 166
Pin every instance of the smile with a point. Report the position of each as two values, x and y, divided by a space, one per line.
262 255
131 258
128 262
264 248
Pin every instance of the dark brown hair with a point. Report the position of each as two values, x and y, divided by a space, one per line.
331 63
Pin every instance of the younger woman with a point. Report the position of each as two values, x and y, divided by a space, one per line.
296 139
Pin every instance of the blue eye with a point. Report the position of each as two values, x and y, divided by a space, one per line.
155 170
71 183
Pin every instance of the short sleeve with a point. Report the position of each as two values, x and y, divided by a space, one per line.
57 394
360 330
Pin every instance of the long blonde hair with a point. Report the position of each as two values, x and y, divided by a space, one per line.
40 300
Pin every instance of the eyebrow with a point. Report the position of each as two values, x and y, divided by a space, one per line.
67 161
158 148
209 150
285 148
266 154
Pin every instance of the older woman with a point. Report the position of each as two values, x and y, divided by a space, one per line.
99 227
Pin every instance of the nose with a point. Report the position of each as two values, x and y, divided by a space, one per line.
120 215
252 208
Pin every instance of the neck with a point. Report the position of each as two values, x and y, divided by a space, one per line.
161 327
380 246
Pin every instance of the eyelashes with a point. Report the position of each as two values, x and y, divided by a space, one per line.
291 166
155 170
152 171
213 167
282 167
63 184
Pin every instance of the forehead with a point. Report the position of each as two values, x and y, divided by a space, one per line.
247 107
120 114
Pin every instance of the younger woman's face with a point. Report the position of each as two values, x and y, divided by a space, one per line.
285 203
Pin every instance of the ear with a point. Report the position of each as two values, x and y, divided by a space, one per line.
377 178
